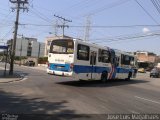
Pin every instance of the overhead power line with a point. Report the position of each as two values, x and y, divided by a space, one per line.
109 6
146 12
40 16
121 26
95 26
127 37
8 33
79 3
131 40
156 5
63 26
4 21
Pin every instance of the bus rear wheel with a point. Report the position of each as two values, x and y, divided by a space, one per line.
129 76
104 77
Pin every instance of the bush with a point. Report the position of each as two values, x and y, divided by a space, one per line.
19 58
42 60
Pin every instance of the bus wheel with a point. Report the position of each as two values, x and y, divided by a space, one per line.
129 75
104 77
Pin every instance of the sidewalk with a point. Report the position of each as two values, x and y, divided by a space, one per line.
9 78
43 68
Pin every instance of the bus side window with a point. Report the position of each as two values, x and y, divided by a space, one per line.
99 55
132 61
83 52
122 59
117 61
127 60
105 56
93 58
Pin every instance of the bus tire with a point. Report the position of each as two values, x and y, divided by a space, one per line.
104 76
129 76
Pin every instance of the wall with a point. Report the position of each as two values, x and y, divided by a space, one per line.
146 57
24 44
35 49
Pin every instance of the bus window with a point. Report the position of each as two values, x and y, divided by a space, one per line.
103 56
127 60
132 61
62 46
93 58
83 52
117 61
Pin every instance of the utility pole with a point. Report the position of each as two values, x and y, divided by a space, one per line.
63 26
20 4
87 28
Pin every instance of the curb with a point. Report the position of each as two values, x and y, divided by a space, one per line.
20 78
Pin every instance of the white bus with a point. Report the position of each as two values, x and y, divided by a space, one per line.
87 61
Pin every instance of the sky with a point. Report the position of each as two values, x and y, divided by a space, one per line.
128 25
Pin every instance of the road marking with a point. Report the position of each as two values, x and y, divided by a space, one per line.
147 100
134 112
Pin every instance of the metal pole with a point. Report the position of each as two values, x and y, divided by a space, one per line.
18 7
14 40
64 22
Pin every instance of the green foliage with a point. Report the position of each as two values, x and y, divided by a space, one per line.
1 53
19 58
42 60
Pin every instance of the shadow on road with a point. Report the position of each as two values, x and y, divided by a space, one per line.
14 74
98 83
14 104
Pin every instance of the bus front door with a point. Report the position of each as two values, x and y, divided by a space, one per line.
93 57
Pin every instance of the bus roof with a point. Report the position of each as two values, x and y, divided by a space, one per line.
98 45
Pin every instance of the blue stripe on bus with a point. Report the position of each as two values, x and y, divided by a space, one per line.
87 69
123 70
60 67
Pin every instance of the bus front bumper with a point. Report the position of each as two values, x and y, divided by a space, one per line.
61 73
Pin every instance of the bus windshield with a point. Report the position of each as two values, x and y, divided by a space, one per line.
62 46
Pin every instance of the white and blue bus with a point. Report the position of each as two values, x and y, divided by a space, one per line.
88 61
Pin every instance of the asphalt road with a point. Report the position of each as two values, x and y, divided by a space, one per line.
48 94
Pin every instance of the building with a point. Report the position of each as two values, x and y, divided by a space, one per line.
158 59
144 56
29 47
146 59
48 43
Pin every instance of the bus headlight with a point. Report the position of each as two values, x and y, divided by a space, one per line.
71 66
48 65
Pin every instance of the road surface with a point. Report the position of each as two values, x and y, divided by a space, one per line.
48 94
